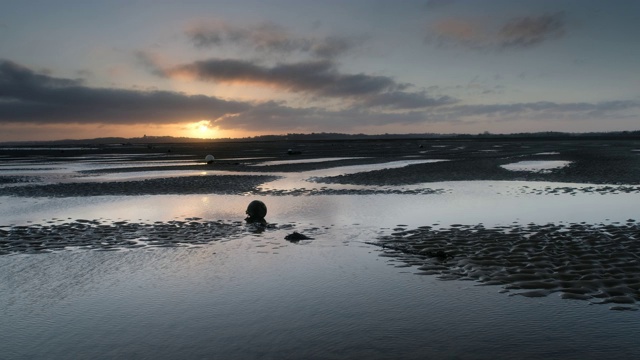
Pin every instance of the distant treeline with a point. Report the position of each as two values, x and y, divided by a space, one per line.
485 135
548 135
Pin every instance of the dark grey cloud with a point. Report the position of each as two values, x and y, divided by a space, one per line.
268 37
278 117
26 96
18 79
542 110
531 30
318 78
406 100
583 107
520 32
30 97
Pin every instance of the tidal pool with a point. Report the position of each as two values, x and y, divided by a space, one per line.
472 202
537 165
303 161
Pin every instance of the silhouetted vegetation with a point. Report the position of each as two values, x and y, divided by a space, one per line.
146 140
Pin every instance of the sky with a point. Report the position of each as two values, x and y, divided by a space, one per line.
79 69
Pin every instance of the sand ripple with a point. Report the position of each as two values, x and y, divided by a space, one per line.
571 190
110 236
17 179
599 263
219 184
329 191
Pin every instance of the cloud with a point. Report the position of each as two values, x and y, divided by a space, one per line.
542 110
26 96
405 100
528 31
520 32
29 97
21 79
319 78
268 37
272 117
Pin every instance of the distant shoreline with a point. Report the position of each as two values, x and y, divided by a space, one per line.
146 140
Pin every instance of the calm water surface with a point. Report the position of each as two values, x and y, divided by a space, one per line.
326 299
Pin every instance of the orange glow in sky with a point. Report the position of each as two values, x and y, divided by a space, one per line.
202 130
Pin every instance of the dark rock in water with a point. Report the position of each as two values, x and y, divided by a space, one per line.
256 211
296 236
294 152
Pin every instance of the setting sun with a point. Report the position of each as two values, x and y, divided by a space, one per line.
202 129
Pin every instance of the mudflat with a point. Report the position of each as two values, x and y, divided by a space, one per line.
598 262
614 162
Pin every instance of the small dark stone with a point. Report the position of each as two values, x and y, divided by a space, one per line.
296 236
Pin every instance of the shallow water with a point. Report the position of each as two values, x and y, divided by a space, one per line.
260 296
303 161
472 202
537 165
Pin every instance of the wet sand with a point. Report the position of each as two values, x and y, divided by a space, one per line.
232 184
593 262
107 235
612 162
598 263
112 236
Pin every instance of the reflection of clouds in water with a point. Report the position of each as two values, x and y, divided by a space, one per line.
290 181
71 169
461 202
304 161
248 158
